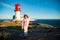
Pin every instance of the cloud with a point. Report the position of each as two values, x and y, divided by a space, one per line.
7 5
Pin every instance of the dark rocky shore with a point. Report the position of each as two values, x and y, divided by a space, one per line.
33 34
36 32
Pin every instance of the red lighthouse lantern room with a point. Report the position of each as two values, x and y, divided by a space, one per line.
17 8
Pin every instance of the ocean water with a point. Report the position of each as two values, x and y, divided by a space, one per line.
53 22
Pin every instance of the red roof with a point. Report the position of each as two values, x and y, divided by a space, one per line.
17 8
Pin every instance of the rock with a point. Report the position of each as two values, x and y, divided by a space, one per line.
46 25
2 25
18 23
40 25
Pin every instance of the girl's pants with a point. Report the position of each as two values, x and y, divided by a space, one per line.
25 30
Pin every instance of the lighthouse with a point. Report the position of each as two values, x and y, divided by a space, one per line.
17 11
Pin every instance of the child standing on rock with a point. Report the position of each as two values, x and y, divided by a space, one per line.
25 23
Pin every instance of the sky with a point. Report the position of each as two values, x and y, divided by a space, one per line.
37 9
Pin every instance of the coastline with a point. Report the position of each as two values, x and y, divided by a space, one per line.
36 31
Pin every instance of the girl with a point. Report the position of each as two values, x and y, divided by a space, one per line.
25 23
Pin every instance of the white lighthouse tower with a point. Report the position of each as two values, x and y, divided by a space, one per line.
17 12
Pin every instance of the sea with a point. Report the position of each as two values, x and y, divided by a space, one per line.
53 22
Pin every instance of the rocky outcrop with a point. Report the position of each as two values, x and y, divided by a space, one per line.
18 23
10 23
40 25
